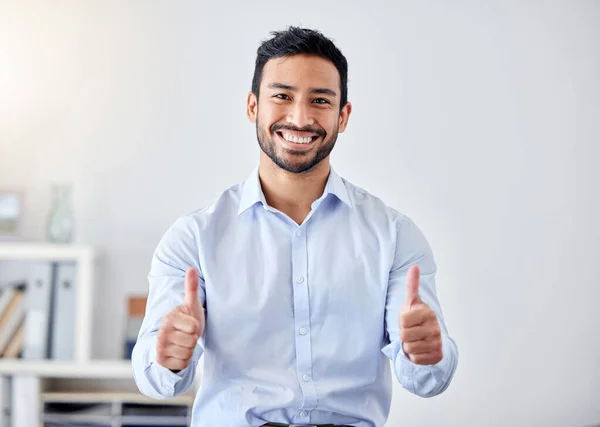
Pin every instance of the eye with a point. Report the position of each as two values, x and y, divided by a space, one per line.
321 101
281 96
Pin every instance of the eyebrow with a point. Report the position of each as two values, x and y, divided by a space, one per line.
319 90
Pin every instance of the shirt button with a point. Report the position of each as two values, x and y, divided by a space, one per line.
300 279
304 414
302 331
305 378
299 233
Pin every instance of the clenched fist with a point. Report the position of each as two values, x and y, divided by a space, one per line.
419 328
181 328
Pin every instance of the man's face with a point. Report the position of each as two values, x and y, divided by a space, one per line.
298 113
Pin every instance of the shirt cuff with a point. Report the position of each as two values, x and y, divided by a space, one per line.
442 365
167 379
403 367
411 374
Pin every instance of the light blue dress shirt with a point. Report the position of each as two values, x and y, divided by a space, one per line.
301 321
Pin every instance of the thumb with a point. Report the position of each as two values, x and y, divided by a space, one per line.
191 290
412 286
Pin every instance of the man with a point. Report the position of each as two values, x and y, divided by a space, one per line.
297 286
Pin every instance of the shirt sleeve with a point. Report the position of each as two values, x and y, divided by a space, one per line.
422 380
176 252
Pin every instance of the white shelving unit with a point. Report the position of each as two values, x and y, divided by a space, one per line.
36 374
84 256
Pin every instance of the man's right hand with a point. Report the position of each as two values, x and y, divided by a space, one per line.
181 328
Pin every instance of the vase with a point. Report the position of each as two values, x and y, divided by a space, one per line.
60 225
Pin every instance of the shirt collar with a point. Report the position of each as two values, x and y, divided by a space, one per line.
252 192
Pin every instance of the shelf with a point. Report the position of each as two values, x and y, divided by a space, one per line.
84 256
155 420
71 420
44 251
112 369
115 408
100 397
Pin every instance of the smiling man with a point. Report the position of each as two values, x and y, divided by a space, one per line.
297 286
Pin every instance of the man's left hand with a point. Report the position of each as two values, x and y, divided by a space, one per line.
419 328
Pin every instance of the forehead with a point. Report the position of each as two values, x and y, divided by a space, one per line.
302 71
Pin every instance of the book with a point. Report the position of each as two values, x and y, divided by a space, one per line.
136 308
15 346
12 318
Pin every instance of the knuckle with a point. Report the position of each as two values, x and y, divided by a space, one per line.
185 341
169 319
416 333
184 322
403 320
189 327
173 341
161 342
190 340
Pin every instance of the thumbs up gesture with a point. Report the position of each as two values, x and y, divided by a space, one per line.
419 328
181 328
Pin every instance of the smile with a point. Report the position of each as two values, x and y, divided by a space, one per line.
297 137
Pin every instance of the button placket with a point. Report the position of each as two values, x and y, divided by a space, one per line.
302 321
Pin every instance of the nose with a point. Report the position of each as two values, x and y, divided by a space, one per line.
300 115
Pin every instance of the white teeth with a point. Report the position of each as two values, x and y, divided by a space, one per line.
296 139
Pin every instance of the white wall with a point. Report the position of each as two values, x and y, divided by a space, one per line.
479 121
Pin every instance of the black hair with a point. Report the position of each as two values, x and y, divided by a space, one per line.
297 41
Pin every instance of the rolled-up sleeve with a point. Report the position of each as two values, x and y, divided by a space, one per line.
177 251
412 248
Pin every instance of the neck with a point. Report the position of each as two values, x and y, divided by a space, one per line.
292 193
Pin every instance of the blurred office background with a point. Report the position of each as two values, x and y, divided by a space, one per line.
479 120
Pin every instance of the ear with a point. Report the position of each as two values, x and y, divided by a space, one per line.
344 116
252 107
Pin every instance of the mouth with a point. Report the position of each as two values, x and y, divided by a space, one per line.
297 141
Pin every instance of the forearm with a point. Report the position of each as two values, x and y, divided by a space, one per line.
425 380
154 380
